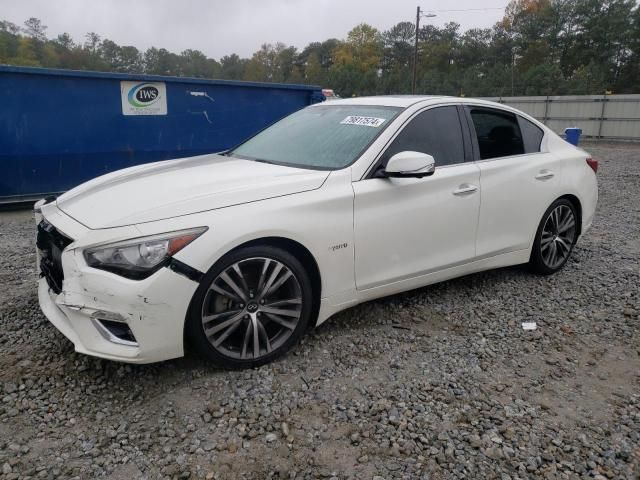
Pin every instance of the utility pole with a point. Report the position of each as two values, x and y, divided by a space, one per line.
415 52
513 63
419 14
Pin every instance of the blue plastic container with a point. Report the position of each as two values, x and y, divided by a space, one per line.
572 135
59 128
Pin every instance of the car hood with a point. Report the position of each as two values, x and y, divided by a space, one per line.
172 188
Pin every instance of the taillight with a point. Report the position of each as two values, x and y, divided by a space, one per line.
593 164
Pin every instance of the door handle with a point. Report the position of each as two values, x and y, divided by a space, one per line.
465 189
545 175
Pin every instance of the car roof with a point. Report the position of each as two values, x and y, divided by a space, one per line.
403 101
406 101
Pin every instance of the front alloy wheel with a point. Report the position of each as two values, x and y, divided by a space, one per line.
252 307
555 238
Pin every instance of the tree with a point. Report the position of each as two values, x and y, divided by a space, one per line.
110 53
312 70
397 59
605 34
232 67
398 45
475 49
261 65
194 63
130 60
92 41
26 52
9 39
287 65
540 47
64 41
8 27
543 79
160 62
272 63
357 61
586 80
34 29
363 47
630 70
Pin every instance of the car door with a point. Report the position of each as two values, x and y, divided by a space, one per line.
406 227
518 181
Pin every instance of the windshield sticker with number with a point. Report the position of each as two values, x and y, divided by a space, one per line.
365 121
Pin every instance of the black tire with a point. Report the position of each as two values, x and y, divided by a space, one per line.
541 261
226 354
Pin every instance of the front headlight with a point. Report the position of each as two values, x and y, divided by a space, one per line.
138 258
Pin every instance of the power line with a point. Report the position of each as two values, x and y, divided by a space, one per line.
466 10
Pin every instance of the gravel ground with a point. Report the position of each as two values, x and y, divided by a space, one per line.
440 382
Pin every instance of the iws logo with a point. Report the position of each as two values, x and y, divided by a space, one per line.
143 95
143 98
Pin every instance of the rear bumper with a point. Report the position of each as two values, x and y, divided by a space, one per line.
589 204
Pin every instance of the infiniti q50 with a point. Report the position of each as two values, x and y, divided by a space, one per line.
238 254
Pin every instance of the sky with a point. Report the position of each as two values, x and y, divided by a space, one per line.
219 27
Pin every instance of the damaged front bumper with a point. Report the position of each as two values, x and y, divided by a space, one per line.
109 316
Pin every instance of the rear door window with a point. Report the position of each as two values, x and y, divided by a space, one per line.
498 133
531 135
436 131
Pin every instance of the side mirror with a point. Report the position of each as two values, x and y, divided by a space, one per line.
410 164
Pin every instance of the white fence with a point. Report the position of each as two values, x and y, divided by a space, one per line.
612 117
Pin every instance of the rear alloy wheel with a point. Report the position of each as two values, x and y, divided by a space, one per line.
555 238
250 308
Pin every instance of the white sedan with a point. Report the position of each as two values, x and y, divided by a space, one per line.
238 254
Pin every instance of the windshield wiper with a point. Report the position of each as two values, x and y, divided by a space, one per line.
263 161
260 160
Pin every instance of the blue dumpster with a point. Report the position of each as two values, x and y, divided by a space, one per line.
572 135
59 128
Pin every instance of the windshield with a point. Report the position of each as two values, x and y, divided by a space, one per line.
326 137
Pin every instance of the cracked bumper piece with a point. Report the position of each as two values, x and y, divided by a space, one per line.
153 309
